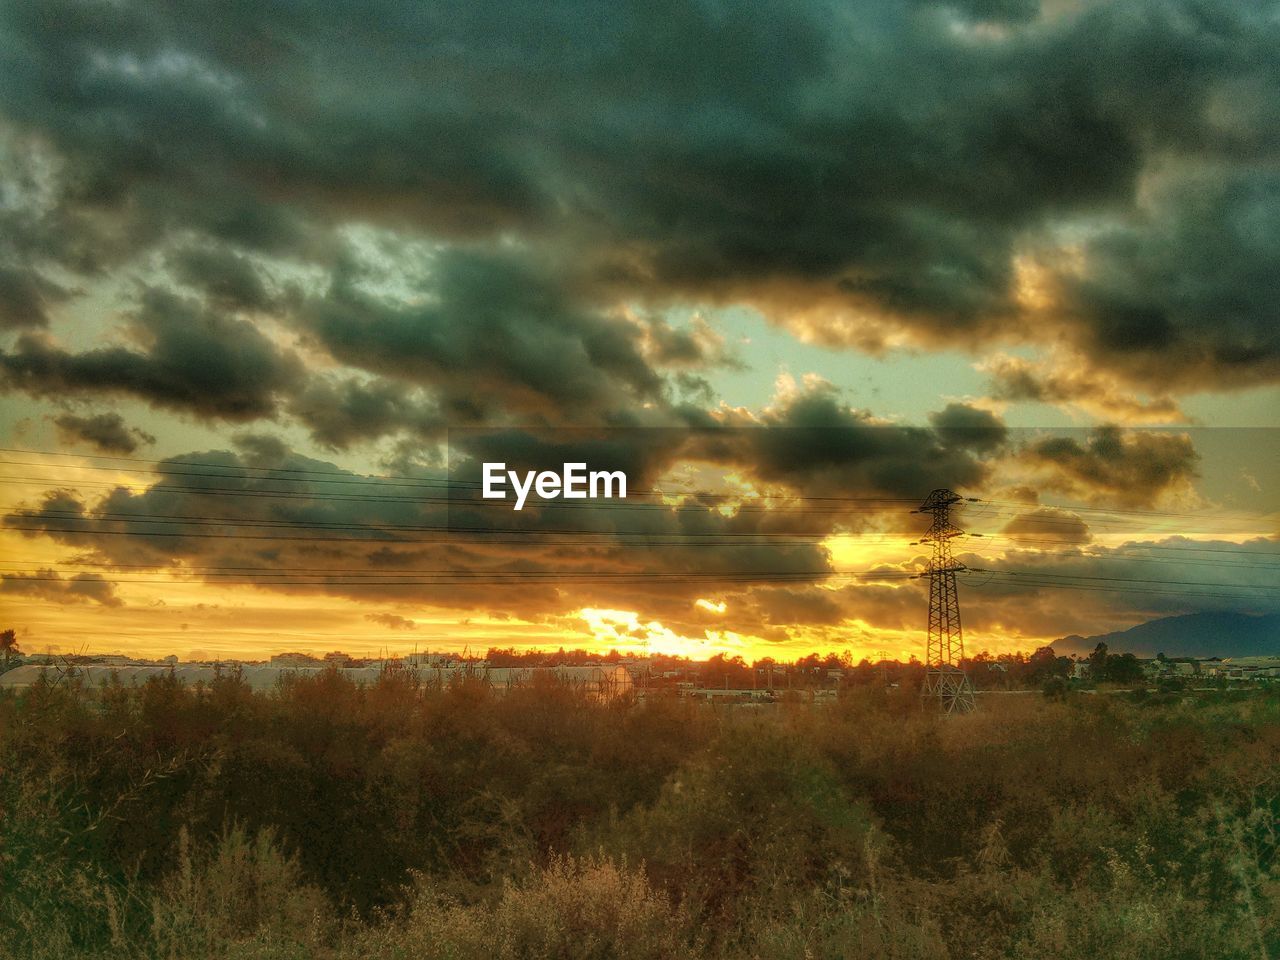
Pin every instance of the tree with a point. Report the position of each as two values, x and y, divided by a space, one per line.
8 648
1124 669
1098 662
1055 688
729 671
1044 664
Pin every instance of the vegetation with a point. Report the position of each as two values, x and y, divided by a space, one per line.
329 820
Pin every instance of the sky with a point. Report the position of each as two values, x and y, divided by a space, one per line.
275 279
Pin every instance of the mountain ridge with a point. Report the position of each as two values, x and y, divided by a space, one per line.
1210 634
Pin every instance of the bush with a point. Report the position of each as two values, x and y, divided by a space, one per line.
572 909
242 890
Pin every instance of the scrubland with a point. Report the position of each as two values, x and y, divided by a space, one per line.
394 822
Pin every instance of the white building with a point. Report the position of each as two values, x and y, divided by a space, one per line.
606 682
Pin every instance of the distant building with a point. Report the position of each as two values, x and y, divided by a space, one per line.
294 660
447 660
1182 669
115 659
605 682
1249 668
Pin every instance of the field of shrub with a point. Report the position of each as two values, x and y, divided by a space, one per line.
333 821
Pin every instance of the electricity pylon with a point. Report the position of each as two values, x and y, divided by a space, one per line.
944 680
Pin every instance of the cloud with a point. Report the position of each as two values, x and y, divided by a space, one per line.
491 333
183 358
384 221
1073 382
1129 468
1048 524
1180 296
343 412
48 584
106 432
786 606
967 426
1058 590
698 347
870 174
226 278
817 445
24 296
392 621
290 524
259 512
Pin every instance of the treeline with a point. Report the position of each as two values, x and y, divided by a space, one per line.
396 821
1002 671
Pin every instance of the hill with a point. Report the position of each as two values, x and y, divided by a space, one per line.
1190 635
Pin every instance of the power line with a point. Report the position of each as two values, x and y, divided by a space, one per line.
741 503
1128 591
487 578
406 571
1022 507
394 480
1136 544
1141 546
675 510
668 539
372 480
1111 579
692 510
162 519
31 524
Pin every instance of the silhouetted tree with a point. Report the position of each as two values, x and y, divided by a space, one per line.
1098 662
1123 669
8 648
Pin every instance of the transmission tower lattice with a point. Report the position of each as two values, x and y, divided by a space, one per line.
944 680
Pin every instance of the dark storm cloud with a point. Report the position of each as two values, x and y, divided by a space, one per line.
792 605
185 358
106 432
1189 296
493 332
962 425
263 511
859 169
230 506
23 299
49 584
818 446
341 413
1131 468
226 278
1048 524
